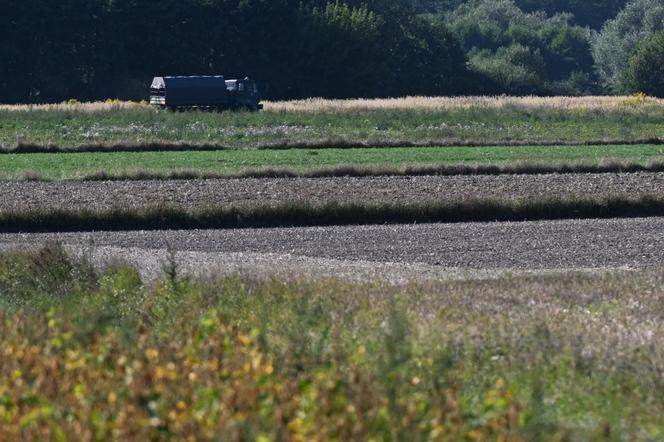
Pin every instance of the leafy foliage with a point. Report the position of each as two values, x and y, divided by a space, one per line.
523 52
645 73
516 69
592 13
614 46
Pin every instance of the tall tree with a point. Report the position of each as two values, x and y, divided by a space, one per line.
645 72
614 46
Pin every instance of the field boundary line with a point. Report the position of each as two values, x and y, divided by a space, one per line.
28 148
304 215
350 170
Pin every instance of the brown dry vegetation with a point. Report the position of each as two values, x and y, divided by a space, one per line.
326 214
76 106
454 103
418 103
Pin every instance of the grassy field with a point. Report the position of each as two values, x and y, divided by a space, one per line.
308 161
328 123
98 354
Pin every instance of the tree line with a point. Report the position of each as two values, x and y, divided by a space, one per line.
95 49
568 47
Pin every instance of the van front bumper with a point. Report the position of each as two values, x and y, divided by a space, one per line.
158 101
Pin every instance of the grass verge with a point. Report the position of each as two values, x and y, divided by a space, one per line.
480 210
97 353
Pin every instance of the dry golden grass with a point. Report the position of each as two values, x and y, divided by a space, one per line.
452 103
404 103
74 105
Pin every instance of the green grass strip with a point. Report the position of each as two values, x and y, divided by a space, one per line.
480 210
327 162
375 127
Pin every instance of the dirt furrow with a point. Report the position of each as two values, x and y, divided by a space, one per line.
250 192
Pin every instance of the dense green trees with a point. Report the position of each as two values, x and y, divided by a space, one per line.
98 48
524 52
614 46
91 49
645 72
592 13
45 46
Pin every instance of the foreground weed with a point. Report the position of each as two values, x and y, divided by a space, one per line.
111 357
214 379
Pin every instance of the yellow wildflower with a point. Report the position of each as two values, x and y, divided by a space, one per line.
152 353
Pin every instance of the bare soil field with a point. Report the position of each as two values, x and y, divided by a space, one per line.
393 252
266 192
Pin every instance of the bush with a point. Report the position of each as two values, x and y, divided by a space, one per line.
516 70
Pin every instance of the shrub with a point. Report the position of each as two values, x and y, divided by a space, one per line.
515 69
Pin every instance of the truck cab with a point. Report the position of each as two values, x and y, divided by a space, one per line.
245 94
